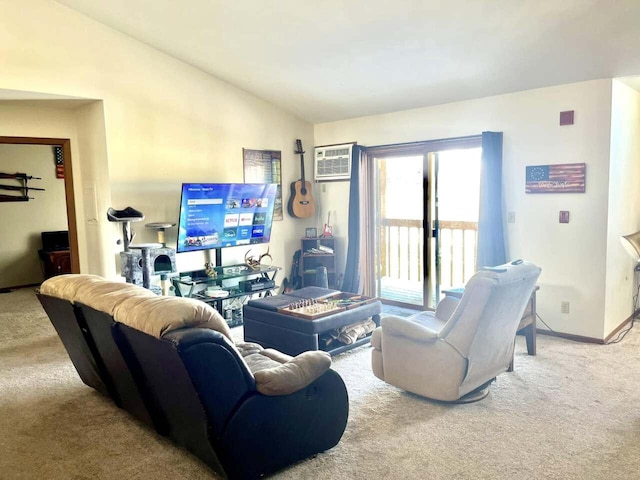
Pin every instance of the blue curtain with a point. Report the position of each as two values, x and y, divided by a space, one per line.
491 250
351 279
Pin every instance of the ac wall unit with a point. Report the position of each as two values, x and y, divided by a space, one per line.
333 162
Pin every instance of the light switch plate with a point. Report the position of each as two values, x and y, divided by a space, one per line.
564 216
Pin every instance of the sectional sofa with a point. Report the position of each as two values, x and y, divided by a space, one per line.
172 364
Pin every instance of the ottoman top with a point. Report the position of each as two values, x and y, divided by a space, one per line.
275 302
313 292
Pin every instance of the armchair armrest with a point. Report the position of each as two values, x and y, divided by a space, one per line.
404 327
446 307
293 375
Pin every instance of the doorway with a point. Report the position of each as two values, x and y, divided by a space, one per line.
426 219
65 145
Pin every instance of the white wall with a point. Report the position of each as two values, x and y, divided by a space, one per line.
22 222
165 123
92 190
572 256
624 202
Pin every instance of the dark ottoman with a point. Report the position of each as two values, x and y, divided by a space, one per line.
292 335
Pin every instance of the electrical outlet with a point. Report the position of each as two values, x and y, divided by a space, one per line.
564 307
511 217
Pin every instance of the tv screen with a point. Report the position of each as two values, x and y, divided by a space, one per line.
214 215
52 241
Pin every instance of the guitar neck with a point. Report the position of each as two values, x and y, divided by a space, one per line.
303 183
302 169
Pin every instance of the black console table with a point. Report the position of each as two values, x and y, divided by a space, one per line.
239 281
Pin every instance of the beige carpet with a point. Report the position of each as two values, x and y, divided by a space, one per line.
571 412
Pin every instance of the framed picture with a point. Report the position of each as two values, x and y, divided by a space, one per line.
311 232
263 166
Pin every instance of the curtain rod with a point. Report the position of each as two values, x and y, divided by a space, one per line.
424 142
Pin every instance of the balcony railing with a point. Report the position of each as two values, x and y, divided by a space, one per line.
458 242
401 254
401 247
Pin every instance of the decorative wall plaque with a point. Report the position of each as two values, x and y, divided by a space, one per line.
560 178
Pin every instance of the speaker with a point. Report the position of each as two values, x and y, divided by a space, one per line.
321 277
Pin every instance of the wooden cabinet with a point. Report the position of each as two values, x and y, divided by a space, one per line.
55 262
318 252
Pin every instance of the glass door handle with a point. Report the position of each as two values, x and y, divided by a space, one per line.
432 227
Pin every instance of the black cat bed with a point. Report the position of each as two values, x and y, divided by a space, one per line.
129 214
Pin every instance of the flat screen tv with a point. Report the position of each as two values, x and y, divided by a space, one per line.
52 241
216 215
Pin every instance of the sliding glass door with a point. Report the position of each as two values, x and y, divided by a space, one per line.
426 214
458 202
400 233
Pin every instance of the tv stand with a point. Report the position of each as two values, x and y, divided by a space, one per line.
238 280
218 257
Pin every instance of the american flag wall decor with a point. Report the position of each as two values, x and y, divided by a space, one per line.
561 178
59 158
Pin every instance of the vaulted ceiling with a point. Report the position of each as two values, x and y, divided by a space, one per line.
334 59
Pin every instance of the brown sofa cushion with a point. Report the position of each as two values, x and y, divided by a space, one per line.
275 373
159 315
248 348
294 375
257 362
276 355
135 306
66 286
105 295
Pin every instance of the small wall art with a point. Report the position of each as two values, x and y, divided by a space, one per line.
59 159
559 178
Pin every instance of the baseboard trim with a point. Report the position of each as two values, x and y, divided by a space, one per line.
18 287
570 336
580 338
621 326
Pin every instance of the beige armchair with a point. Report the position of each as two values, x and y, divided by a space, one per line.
454 353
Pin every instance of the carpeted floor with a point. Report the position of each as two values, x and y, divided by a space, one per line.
571 412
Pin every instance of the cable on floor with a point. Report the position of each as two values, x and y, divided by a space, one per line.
623 333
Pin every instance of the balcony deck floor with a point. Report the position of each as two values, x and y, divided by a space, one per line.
397 311
403 291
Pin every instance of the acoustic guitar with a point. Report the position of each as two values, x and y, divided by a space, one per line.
301 204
